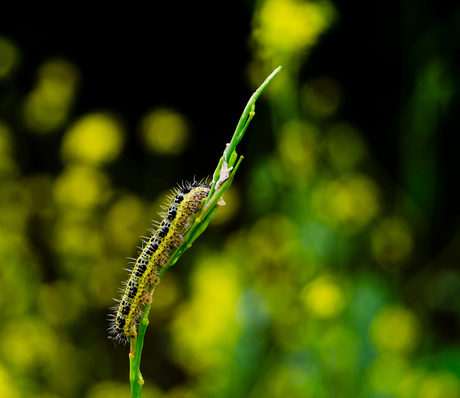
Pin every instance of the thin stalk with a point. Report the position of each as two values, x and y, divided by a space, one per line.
222 179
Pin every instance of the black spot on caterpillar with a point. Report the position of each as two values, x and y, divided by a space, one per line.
154 256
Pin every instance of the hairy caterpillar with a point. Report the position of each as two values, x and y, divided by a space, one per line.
153 257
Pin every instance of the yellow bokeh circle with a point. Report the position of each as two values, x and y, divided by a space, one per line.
395 328
81 187
9 56
324 297
165 131
95 138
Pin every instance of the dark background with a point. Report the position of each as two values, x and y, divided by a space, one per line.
138 56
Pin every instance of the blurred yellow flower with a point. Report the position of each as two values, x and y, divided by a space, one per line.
31 339
95 138
440 385
108 389
205 330
7 388
81 187
58 80
9 56
291 380
348 203
114 389
386 374
286 27
339 348
76 239
165 131
47 106
323 297
396 329
124 222
410 383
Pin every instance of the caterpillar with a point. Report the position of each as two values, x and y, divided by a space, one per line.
154 256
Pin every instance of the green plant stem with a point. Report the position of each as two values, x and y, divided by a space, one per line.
222 179
246 117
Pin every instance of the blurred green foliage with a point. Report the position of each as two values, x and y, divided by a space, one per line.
306 298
